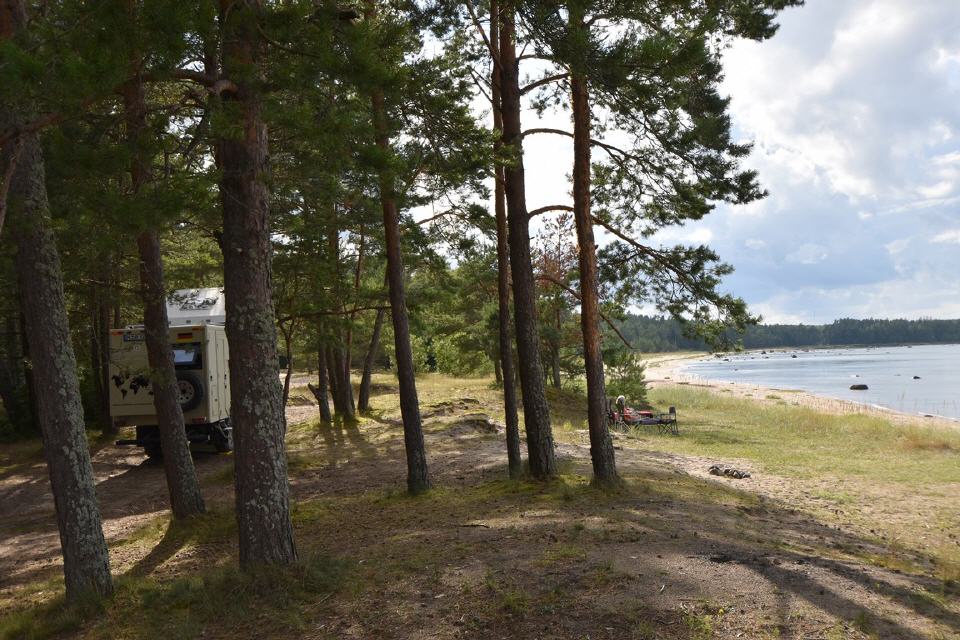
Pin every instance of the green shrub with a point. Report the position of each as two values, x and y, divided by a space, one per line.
626 377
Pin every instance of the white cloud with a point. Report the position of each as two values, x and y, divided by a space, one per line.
852 110
808 254
947 237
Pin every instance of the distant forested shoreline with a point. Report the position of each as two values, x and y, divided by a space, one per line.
651 334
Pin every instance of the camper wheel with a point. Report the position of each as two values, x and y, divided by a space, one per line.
189 390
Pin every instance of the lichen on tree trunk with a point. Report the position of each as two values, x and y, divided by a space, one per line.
86 564
262 490
86 561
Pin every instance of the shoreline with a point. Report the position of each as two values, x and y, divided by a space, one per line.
668 369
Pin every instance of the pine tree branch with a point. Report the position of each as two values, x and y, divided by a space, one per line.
649 252
320 314
616 152
214 84
548 208
41 122
568 289
494 54
478 81
543 81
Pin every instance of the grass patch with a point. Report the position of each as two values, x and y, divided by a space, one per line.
509 598
802 442
50 619
15 456
220 476
563 553
274 600
217 525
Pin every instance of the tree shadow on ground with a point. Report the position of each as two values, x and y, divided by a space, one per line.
778 557
216 528
343 440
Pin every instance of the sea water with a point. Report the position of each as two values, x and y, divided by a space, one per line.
922 379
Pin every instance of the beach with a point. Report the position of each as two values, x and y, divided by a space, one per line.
667 369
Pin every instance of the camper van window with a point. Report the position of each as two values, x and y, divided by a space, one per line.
187 356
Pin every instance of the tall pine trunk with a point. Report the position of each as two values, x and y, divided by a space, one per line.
262 490
334 380
514 462
341 361
601 445
363 401
556 379
86 561
288 354
322 386
100 350
182 484
536 412
418 479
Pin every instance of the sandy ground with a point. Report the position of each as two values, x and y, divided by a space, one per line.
681 555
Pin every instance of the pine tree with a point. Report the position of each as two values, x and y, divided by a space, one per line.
262 500
514 462
182 484
86 564
536 412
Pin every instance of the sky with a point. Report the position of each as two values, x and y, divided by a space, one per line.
854 112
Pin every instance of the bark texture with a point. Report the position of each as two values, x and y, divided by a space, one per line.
86 564
341 361
333 378
182 484
363 400
418 479
514 461
262 490
100 347
536 412
321 392
86 561
601 445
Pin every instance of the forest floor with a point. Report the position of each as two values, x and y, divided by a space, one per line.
847 528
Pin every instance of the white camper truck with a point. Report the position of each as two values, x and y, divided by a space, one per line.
201 358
